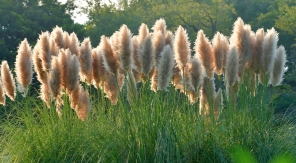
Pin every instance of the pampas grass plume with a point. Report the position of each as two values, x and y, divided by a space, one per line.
54 79
57 35
44 51
143 33
66 39
72 74
169 39
8 80
204 53
42 75
85 60
158 43
231 69
74 44
165 68
160 25
181 48
220 48
125 50
279 66
196 72
111 60
98 70
136 65
269 50
111 88
23 66
2 94
146 55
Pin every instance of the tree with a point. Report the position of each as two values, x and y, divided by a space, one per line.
27 18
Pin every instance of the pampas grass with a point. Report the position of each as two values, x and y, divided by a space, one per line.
204 52
181 48
135 58
57 35
23 67
220 48
2 94
83 106
42 75
85 60
231 69
111 87
74 44
66 39
98 70
160 25
125 49
111 60
146 55
241 39
279 66
269 50
165 68
8 80
143 33
44 51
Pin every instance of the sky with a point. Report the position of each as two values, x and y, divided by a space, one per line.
82 18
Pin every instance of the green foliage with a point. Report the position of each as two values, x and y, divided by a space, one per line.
150 127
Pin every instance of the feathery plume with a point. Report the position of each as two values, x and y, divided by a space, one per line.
158 43
57 35
2 94
143 33
66 38
42 75
256 58
231 68
160 25
241 39
169 39
269 50
165 68
111 60
136 63
72 73
111 87
45 94
204 52
23 67
44 51
54 49
74 44
220 48
54 79
177 79
98 70
85 60
136 75
195 70
8 80
80 102
279 66
125 49
181 48
145 55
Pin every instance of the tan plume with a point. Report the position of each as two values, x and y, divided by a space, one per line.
181 48
85 60
159 25
220 48
23 67
111 60
231 69
146 55
98 70
165 68
8 80
57 35
74 44
204 52
279 66
2 94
